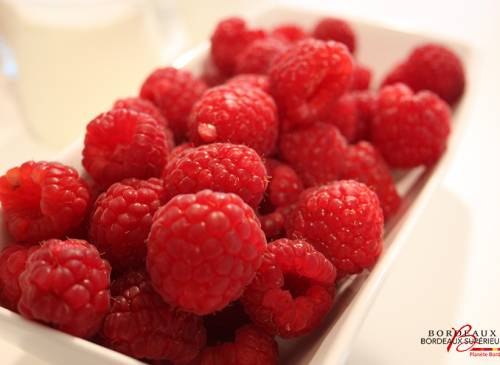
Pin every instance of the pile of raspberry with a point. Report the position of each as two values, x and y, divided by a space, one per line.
217 213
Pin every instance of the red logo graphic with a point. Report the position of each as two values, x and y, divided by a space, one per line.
465 339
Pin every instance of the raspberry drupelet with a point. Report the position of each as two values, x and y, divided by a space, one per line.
203 250
121 220
221 167
66 285
142 325
308 77
344 221
174 92
123 143
42 200
292 291
235 114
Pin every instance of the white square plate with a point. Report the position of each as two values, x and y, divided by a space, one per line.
379 48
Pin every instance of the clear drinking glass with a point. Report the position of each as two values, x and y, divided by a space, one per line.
74 57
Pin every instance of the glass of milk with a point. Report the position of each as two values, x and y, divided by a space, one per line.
75 57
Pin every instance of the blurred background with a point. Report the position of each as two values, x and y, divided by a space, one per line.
64 61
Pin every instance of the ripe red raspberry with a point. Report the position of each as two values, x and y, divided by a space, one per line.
229 39
410 129
66 284
307 78
142 325
435 68
361 77
251 345
240 115
344 115
41 200
174 92
257 56
121 220
251 80
317 153
141 106
203 250
285 185
12 264
365 164
337 30
344 221
366 105
123 143
221 167
291 293
289 32
273 224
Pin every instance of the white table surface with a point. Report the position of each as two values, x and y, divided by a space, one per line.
447 274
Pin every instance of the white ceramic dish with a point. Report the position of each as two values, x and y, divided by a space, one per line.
378 47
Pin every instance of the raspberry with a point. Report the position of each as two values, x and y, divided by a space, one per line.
142 325
308 78
435 68
273 224
240 115
337 30
203 250
123 143
12 264
410 129
317 153
361 77
365 164
285 185
366 105
289 32
218 166
250 346
42 200
344 116
343 220
230 38
290 295
66 284
122 219
250 80
142 106
258 55
174 92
